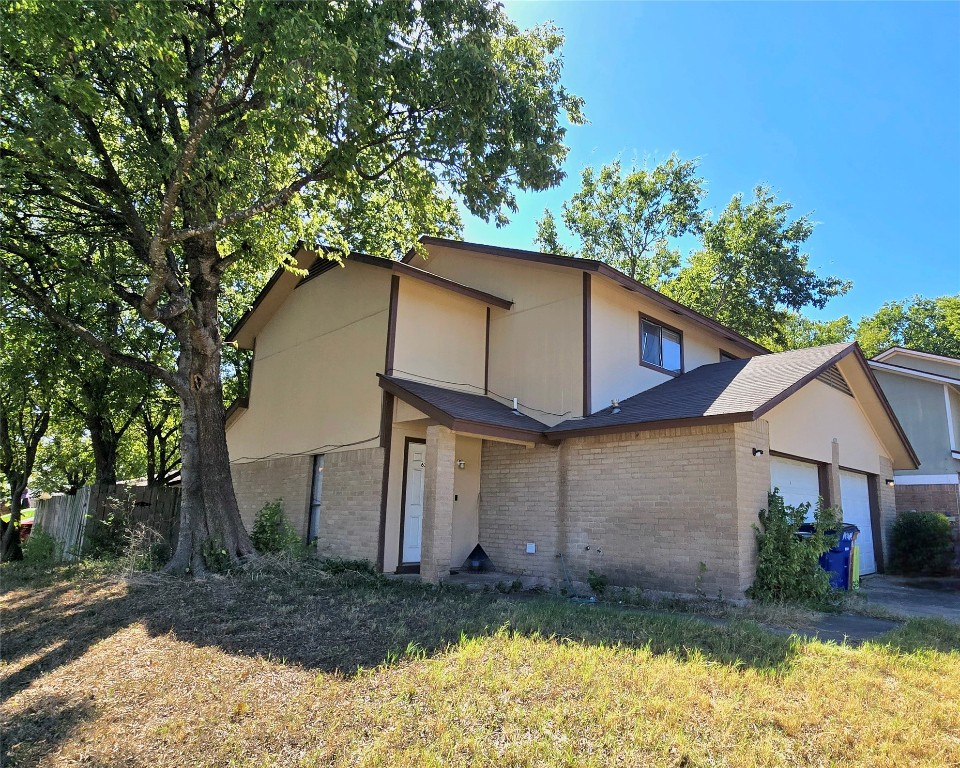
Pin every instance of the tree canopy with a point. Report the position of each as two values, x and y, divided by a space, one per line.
752 270
155 147
924 324
627 219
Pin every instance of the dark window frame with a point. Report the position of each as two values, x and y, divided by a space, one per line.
726 357
661 326
316 504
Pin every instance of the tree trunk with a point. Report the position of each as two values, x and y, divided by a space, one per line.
10 532
212 535
105 446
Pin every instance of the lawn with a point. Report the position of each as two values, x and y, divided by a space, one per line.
294 666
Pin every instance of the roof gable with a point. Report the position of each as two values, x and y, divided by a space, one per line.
603 270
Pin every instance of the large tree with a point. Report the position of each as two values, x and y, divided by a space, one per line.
148 147
925 324
28 380
752 272
627 219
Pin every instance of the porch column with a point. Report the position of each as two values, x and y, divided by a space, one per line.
437 536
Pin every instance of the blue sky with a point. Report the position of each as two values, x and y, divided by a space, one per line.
850 111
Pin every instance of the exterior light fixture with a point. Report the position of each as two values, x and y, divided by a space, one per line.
516 407
890 482
615 406
758 451
461 463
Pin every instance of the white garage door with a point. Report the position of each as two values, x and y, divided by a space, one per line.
855 499
798 481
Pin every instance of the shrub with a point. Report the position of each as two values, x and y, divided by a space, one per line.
921 543
598 582
41 547
273 534
788 568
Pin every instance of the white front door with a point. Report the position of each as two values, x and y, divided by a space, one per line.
855 499
798 481
413 503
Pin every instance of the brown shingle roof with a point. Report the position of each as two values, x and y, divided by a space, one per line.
465 411
736 390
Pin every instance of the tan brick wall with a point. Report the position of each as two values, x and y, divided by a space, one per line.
519 503
753 488
437 532
350 504
887 501
928 498
260 482
644 509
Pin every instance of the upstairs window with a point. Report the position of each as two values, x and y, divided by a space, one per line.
727 357
661 346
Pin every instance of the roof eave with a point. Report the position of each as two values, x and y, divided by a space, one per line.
647 426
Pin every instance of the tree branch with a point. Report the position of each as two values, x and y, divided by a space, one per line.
46 307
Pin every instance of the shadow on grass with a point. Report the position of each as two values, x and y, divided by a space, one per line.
54 717
304 616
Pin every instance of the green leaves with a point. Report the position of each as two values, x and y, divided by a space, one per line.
627 219
752 270
927 325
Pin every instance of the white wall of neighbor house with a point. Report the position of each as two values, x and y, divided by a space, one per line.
536 354
616 372
440 337
806 423
926 364
314 385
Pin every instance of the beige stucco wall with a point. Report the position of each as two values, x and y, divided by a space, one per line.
615 346
440 337
314 384
535 347
806 424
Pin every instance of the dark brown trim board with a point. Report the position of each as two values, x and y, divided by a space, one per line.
386 441
873 493
661 324
403 507
486 357
823 480
587 352
392 324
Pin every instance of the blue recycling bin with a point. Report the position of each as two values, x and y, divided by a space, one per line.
837 560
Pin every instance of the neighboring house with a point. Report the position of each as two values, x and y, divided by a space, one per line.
562 415
924 391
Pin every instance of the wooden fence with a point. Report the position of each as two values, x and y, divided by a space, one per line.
77 521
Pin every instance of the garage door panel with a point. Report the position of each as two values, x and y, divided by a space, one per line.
798 481
855 503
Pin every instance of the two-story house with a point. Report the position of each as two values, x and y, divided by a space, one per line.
562 415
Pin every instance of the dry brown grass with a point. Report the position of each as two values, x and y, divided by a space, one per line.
303 668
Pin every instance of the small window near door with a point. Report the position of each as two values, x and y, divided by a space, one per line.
313 526
661 346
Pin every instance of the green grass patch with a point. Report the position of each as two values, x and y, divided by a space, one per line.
297 664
